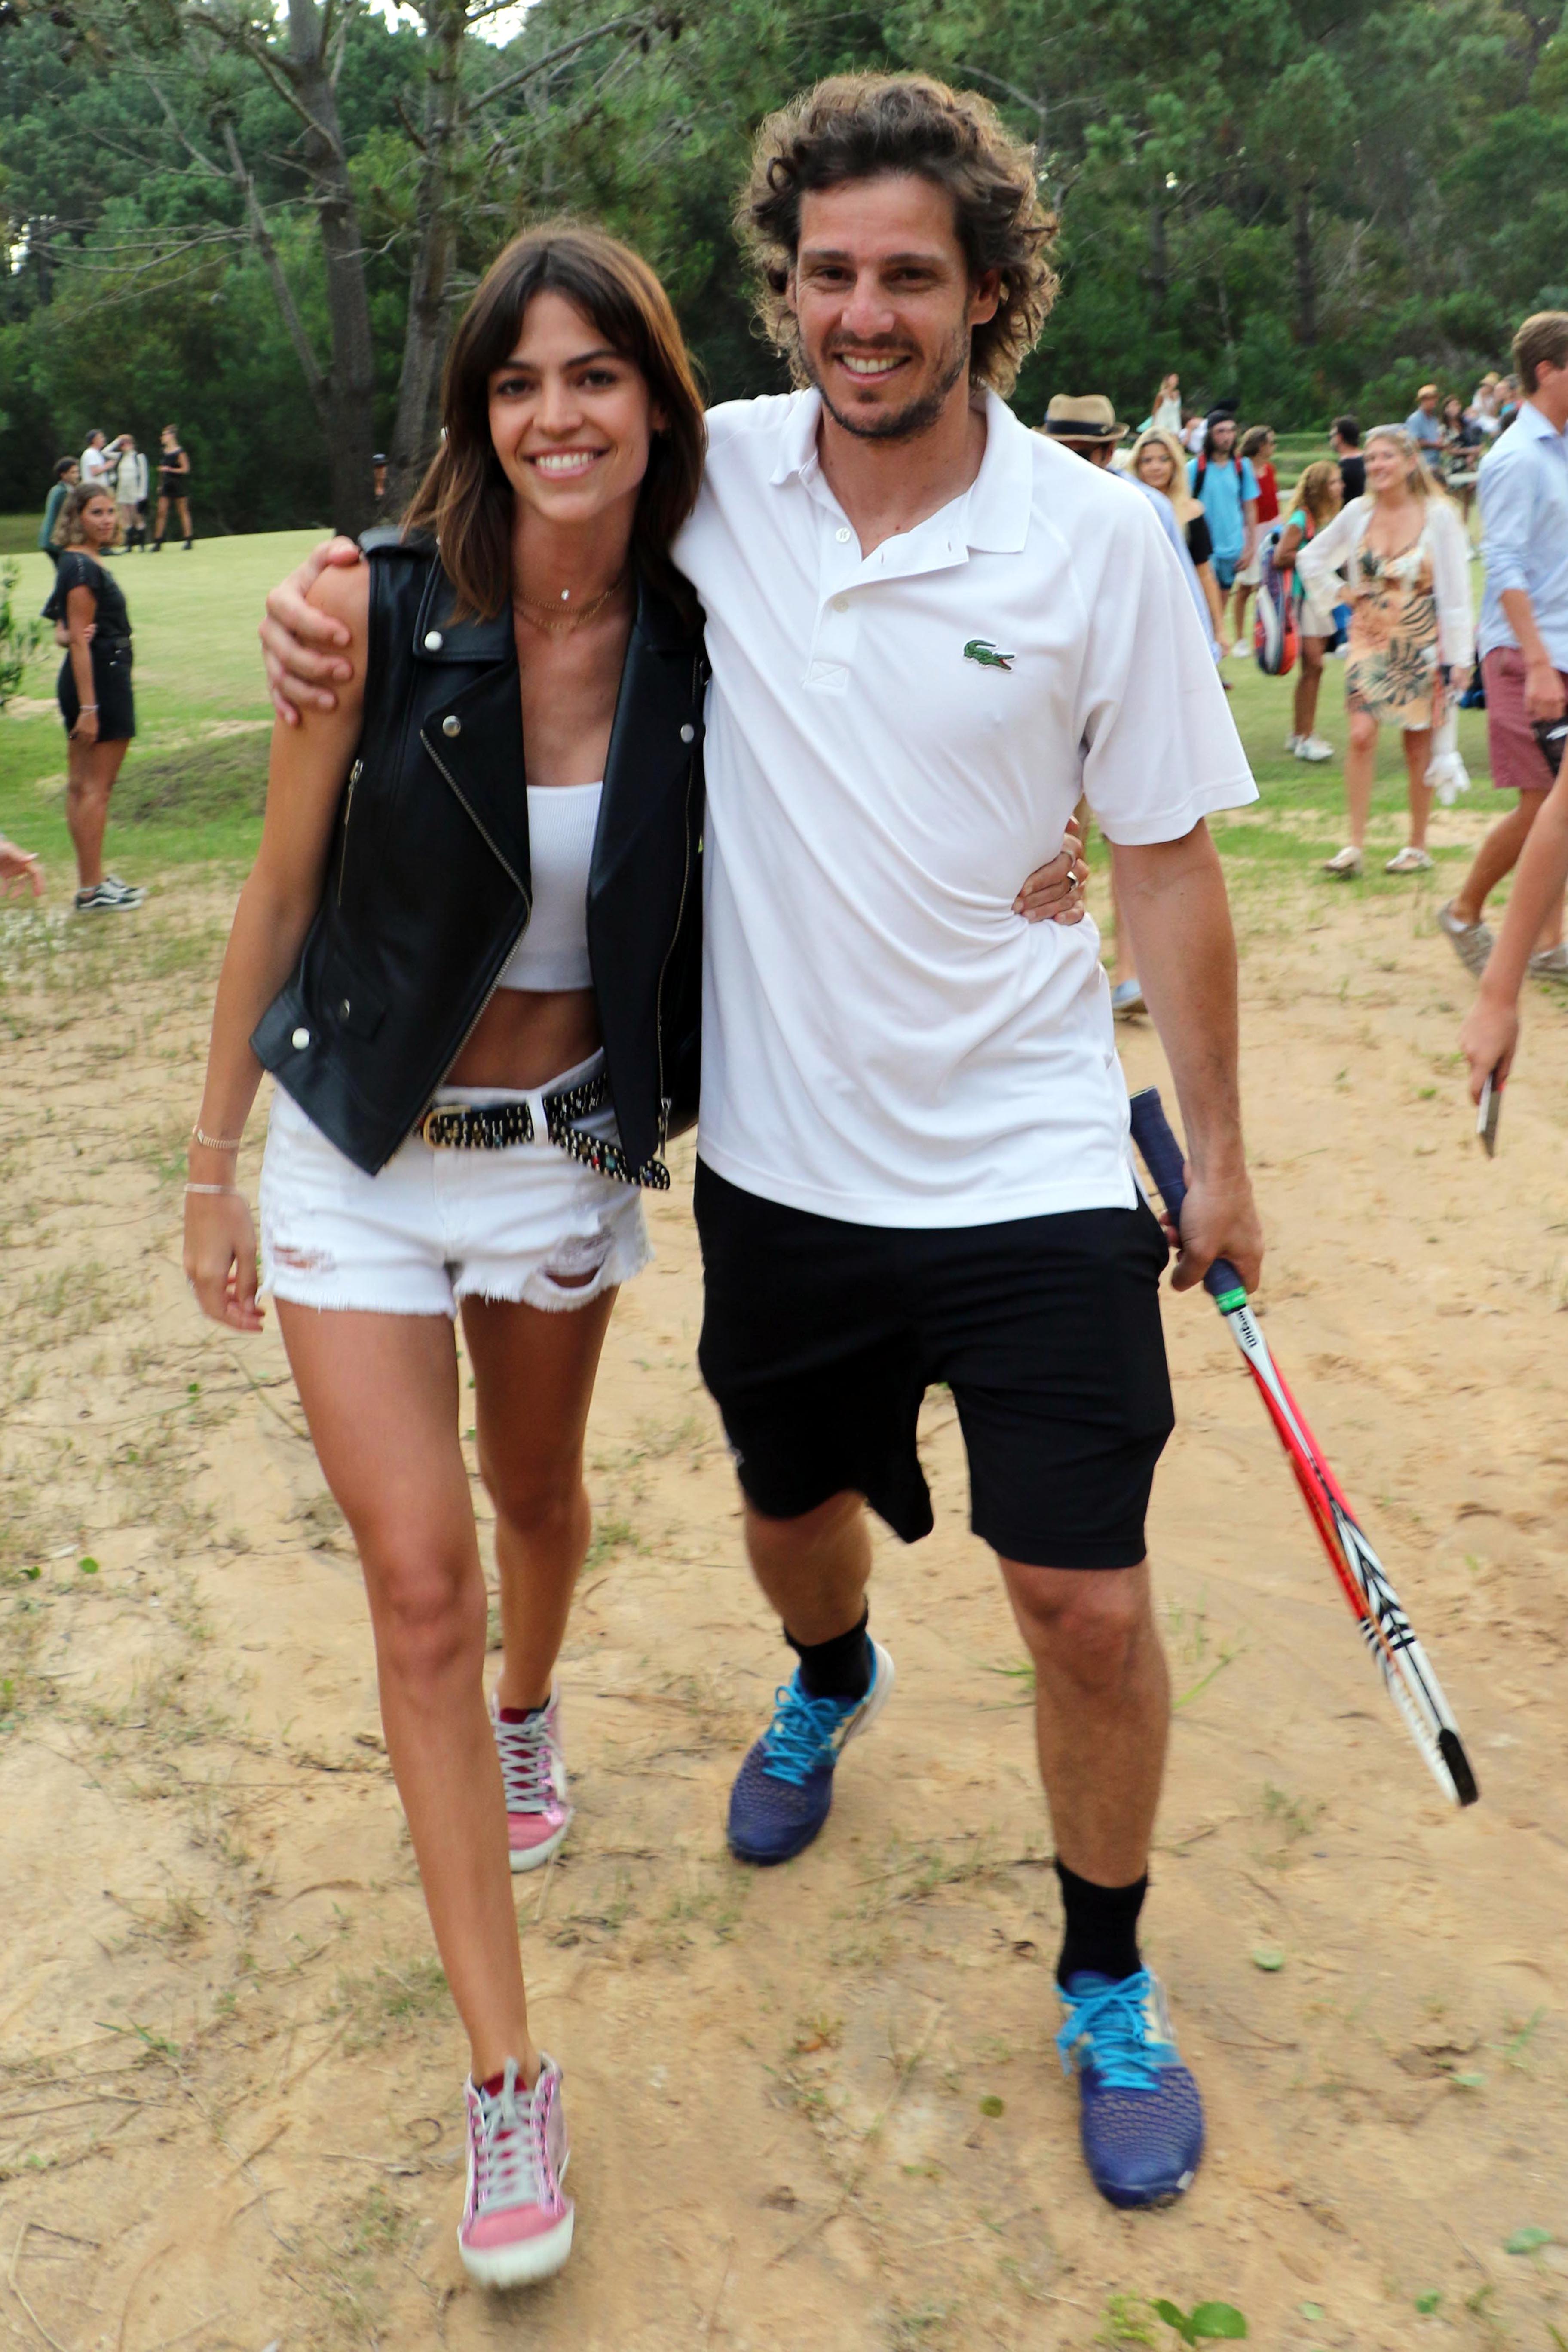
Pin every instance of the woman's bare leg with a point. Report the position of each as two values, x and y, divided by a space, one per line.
1417 758
380 1393
92 769
1360 765
1309 680
533 1383
163 519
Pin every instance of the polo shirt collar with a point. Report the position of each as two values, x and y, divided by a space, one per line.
995 508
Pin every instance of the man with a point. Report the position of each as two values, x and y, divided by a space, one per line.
1345 440
1228 487
1424 425
98 462
1523 638
929 632
130 494
67 473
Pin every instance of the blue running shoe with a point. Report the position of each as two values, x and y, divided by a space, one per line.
1141 2119
784 1791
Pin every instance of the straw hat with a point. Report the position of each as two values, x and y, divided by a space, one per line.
1089 419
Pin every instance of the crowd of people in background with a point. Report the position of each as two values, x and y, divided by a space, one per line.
119 469
1364 557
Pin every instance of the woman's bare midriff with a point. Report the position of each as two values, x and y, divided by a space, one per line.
524 1038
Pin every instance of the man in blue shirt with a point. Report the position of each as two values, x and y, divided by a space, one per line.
1424 425
1228 487
1523 639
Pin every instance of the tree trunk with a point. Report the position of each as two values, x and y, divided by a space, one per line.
348 422
417 426
1306 273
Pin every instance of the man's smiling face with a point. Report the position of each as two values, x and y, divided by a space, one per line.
882 296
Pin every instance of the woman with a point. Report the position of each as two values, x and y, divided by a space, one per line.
1165 414
1405 554
469 953
1158 459
1257 450
93 689
173 487
1313 504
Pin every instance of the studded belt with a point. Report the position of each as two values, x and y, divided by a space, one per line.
500 1127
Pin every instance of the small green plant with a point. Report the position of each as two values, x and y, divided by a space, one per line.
992 2105
88 1567
1207 2323
1430 2301
20 636
1127 2319
1527 2241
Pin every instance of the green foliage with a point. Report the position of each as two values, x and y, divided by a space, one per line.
20 636
1206 2323
1301 207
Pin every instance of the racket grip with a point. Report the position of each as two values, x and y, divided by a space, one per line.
1163 1157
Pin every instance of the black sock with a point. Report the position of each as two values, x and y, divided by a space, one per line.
1101 1926
838 1669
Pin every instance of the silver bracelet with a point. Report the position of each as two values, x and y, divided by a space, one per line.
212 1188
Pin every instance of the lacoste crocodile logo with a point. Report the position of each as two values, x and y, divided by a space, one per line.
982 650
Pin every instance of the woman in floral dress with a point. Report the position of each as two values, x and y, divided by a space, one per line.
1406 557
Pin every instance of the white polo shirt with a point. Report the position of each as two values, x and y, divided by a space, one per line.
884 1040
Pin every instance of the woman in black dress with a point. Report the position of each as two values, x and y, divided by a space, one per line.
93 689
174 486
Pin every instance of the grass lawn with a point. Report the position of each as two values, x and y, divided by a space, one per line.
192 784
191 787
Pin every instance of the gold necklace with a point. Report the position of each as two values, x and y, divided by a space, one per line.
557 625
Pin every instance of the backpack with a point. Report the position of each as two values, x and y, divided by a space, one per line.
1274 637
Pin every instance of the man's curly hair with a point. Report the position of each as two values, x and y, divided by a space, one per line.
859 126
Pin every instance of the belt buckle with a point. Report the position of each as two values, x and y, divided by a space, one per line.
436 1122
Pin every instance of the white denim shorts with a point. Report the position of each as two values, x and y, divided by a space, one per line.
435 1226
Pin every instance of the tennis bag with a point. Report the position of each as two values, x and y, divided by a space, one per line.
1274 639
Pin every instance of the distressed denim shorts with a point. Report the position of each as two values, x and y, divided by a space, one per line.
524 1224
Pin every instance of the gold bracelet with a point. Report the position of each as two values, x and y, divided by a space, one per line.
212 1188
215 1142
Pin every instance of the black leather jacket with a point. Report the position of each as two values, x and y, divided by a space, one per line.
429 887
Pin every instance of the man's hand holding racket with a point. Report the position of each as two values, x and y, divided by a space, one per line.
1219 1219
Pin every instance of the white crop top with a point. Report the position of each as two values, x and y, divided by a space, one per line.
554 951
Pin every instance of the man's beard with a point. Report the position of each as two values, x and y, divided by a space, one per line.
901 424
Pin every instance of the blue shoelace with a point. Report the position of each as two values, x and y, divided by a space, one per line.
800 1739
1114 2020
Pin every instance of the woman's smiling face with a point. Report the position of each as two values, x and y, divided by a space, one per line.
571 418
1154 466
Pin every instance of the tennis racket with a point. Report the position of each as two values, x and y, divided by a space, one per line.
1407 1670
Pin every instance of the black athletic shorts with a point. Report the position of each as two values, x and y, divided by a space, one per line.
110 690
820 1338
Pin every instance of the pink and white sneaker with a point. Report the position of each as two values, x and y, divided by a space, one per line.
516 2225
533 1774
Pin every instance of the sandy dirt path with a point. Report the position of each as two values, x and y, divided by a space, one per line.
228 2071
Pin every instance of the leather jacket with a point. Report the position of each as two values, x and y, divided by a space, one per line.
428 887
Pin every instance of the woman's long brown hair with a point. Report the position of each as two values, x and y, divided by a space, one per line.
465 498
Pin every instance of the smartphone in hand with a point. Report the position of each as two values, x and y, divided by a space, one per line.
1488 1111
